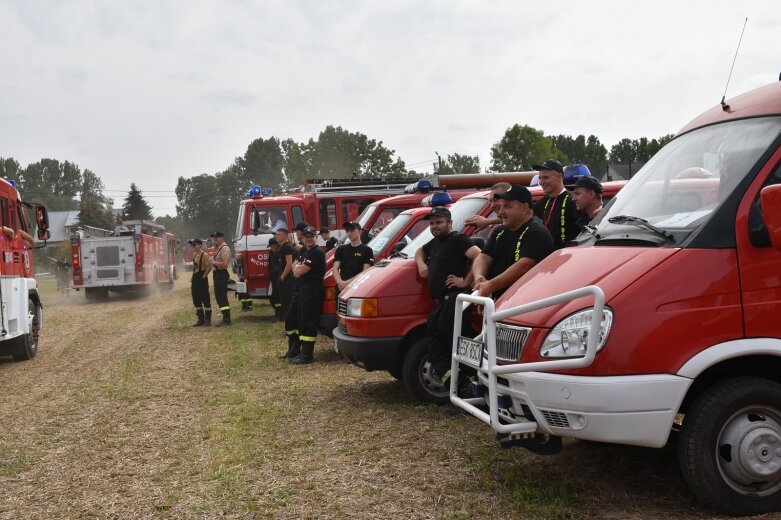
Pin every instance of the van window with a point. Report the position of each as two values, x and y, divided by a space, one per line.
328 213
757 231
298 215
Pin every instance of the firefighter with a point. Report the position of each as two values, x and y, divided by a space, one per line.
274 270
330 242
303 316
351 258
286 254
556 209
220 262
199 284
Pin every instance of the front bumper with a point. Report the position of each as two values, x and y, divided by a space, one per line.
637 410
368 353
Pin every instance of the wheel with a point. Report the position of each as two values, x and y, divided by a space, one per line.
417 378
730 446
28 343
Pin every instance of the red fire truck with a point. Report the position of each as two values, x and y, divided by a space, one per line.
21 314
138 255
382 315
407 225
666 319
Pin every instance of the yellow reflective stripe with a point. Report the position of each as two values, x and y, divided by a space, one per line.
245 300
295 331
207 308
226 308
310 339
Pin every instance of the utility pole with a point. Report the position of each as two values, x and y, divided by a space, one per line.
439 160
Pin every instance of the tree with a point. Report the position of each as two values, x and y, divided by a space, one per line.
262 163
52 183
94 207
135 207
458 163
9 168
338 153
296 162
520 148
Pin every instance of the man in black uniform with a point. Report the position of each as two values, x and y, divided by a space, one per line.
351 258
274 270
587 196
303 317
286 285
330 242
222 257
556 209
444 260
513 248
199 284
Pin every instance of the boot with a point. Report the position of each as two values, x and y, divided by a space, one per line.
307 354
226 319
246 306
199 323
207 322
293 347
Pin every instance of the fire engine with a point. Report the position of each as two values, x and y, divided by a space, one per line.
664 318
138 254
21 312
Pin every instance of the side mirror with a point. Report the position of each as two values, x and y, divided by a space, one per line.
42 222
771 212
254 221
398 247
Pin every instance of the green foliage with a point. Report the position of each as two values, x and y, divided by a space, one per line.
135 207
339 154
458 163
582 150
94 207
520 148
637 151
52 183
262 163
9 168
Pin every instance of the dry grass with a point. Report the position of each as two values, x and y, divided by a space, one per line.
128 412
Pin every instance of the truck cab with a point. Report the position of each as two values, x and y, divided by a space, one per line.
665 318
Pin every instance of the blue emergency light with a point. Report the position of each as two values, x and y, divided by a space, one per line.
255 192
266 191
11 182
441 198
573 171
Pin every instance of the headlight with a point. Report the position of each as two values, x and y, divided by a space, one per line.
362 307
568 338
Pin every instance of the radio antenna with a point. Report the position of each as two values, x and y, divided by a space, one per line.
725 106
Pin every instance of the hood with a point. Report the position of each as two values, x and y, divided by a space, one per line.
389 278
612 269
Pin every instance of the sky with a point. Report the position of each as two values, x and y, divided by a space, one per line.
148 91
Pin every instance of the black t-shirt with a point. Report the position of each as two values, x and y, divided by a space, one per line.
315 259
560 216
331 243
275 263
351 259
446 256
286 250
505 247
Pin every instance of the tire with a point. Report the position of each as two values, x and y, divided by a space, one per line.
729 448
27 346
417 378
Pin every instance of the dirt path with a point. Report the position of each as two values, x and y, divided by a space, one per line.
128 412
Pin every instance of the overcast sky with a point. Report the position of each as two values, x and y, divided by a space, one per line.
148 91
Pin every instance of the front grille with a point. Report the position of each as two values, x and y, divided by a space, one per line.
108 273
555 419
509 342
341 307
342 328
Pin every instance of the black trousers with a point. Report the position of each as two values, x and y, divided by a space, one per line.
439 332
199 287
275 299
303 315
221 289
287 289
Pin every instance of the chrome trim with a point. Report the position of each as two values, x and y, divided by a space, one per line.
510 341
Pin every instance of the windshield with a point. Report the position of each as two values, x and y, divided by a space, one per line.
271 219
389 232
685 183
366 214
460 211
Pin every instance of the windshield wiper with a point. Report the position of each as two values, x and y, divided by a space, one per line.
640 222
592 230
399 254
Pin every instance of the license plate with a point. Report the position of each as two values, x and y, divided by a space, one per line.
470 351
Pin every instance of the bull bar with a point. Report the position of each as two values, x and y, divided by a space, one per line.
491 369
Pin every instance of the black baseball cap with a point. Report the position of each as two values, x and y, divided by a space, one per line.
588 182
516 192
196 241
217 234
324 230
301 226
353 224
550 164
439 211
272 242
309 230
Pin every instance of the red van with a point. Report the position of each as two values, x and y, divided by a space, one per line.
683 273
382 315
